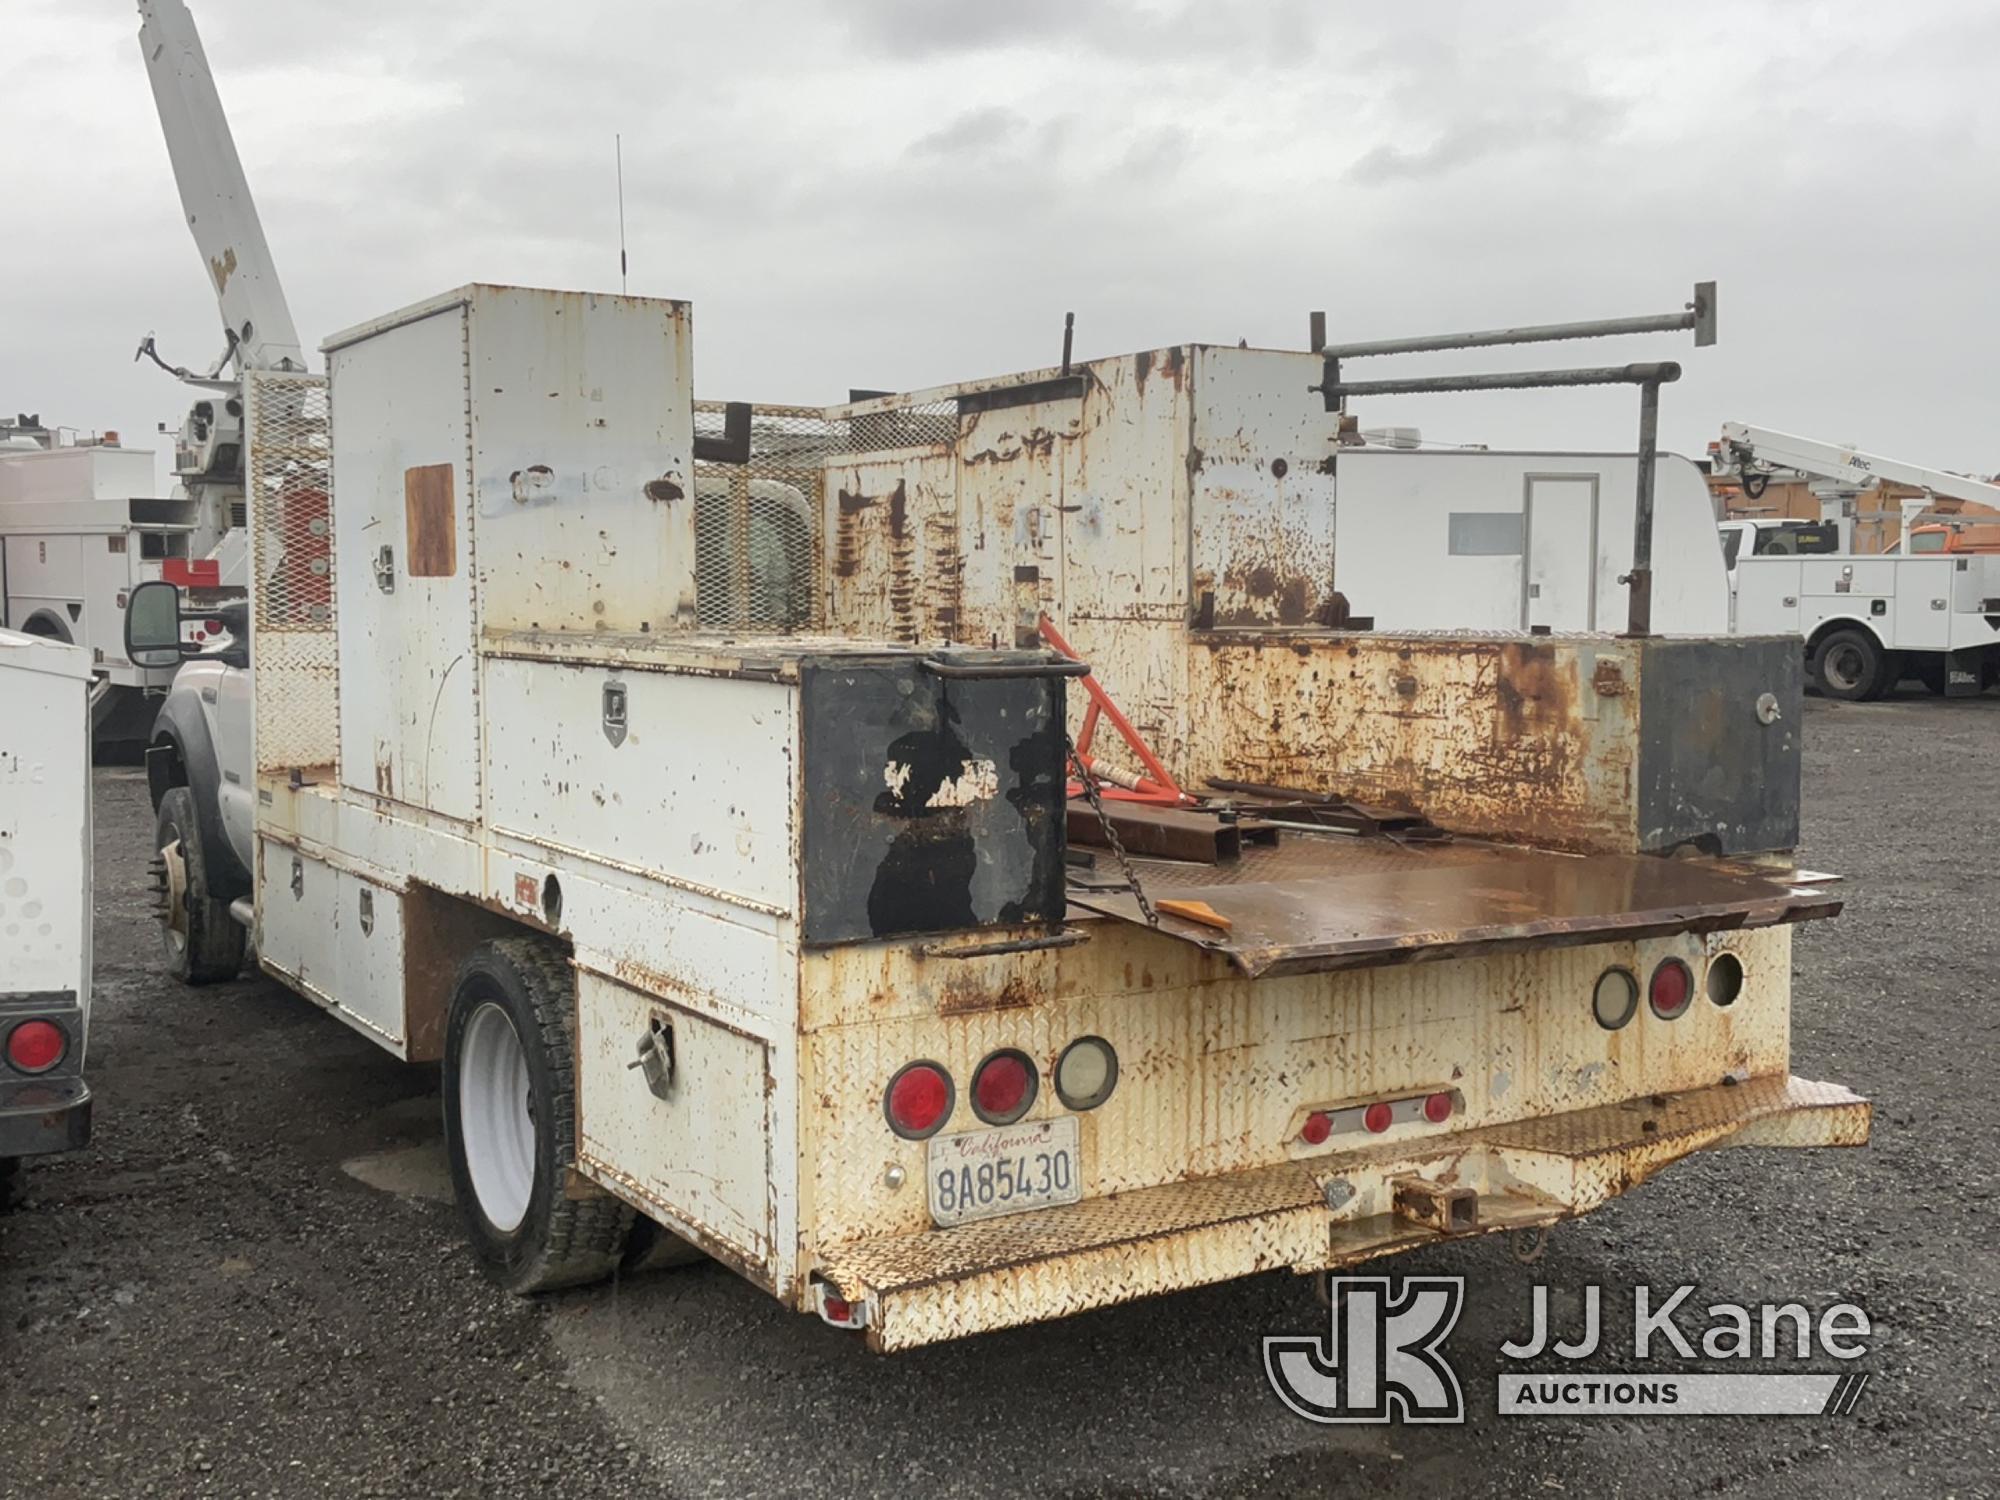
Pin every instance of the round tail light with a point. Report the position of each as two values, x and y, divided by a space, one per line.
1378 1117
1086 1073
919 1100
1318 1126
36 1046
1437 1108
1003 1087
1671 989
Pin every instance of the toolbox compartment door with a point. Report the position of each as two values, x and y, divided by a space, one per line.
930 803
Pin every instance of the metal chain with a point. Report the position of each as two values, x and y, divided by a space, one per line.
1110 833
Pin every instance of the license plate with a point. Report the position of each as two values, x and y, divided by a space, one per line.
984 1173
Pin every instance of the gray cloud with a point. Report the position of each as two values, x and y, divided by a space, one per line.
1573 121
975 131
895 193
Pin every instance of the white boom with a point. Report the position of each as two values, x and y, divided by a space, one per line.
1748 445
215 194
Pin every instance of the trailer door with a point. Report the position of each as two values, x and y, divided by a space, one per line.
1560 581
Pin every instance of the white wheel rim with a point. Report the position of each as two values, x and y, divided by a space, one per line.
496 1117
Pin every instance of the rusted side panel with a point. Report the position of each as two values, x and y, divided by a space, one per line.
1217 1072
1261 491
1535 739
1124 491
1010 489
895 561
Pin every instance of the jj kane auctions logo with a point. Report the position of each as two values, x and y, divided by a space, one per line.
1382 1357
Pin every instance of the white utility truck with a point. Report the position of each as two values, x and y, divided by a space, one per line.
1868 619
808 942
45 909
79 527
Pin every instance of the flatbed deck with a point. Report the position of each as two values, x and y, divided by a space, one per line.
1319 901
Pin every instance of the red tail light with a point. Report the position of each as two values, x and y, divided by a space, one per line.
1378 1118
1003 1087
919 1100
1318 1126
36 1046
1437 1108
1671 989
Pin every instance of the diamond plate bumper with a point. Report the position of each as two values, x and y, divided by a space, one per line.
1311 1214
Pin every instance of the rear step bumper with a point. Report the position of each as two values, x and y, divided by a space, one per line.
1313 1214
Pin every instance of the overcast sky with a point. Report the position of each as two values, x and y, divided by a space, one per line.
897 193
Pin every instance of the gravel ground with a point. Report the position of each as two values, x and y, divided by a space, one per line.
251 1286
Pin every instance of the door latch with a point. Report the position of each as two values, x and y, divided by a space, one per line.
385 569
655 1061
614 712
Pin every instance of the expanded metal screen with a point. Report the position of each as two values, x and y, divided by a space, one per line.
288 488
757 524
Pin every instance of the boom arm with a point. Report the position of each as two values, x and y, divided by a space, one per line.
214 193
1757 445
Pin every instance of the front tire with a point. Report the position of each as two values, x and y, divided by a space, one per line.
1850 665
203 942
510 1122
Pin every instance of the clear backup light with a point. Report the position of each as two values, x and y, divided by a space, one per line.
1086 1073
1615 999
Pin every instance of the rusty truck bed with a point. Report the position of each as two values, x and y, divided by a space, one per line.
1315 902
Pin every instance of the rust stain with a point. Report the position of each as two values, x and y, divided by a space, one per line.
221 268
849 507
968 997
1485 736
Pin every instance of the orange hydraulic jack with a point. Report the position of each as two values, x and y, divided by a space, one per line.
1155 784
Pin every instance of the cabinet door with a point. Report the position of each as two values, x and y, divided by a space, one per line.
409 728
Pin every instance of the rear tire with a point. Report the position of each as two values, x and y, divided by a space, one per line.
510 1122
1850 665
203 942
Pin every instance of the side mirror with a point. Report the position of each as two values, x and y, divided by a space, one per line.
153 625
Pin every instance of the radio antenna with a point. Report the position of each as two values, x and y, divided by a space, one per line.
618 145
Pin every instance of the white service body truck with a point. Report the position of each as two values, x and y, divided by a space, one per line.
45 909
79 528
794 944
1870 619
